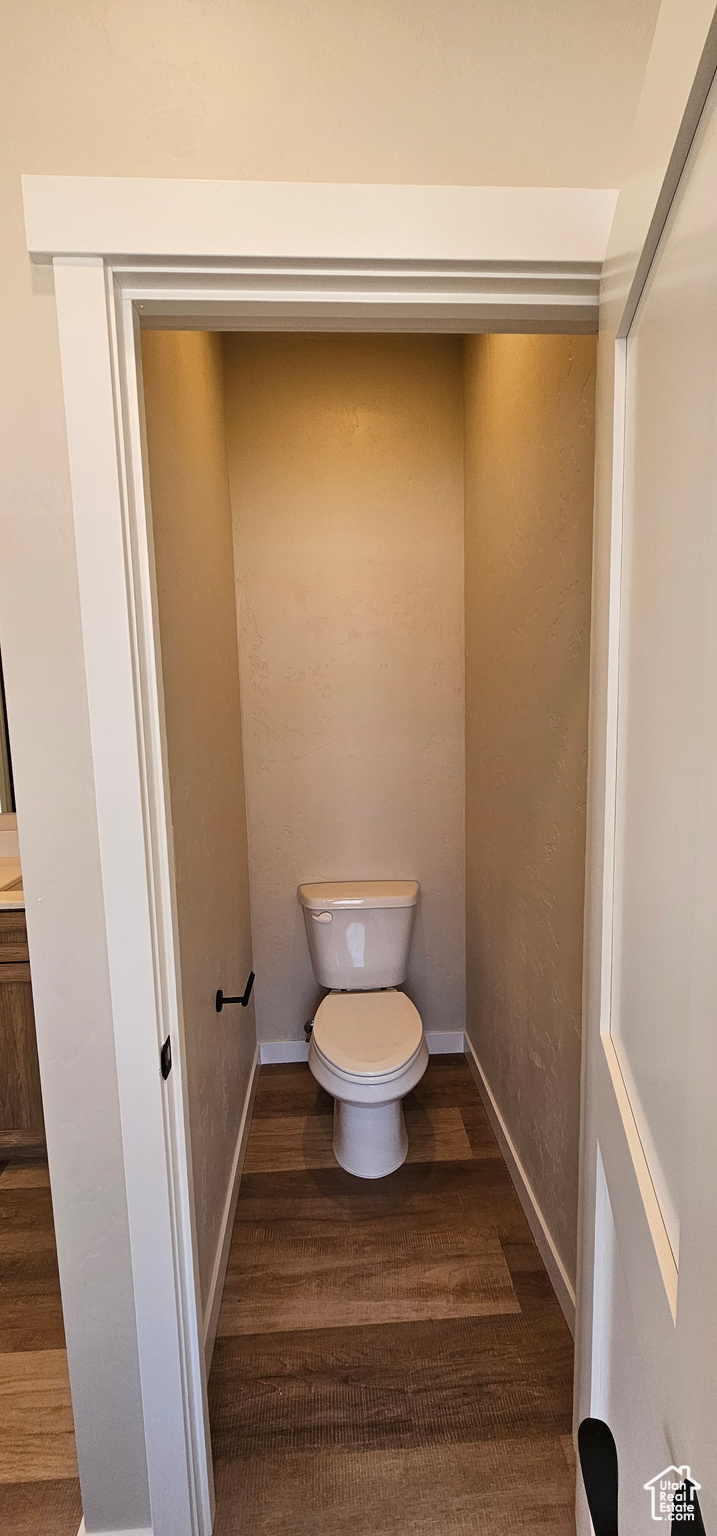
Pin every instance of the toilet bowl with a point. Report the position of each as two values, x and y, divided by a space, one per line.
367 1046
368 1050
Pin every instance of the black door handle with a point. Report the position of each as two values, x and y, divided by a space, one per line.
221 999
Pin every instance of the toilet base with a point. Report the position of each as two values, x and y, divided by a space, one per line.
370 1140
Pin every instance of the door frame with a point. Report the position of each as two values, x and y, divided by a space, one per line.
271 257
267 256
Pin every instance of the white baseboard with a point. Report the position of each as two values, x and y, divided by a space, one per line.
445 1042
440 1043
221 1259
137 1530
273 1051
546 1247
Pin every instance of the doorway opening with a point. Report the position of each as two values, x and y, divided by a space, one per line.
372 574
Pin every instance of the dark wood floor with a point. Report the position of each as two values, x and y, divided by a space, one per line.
391 1358
39 1490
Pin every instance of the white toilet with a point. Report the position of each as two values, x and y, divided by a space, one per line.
367 1046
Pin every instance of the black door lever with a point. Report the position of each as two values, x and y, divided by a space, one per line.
221 999
598 1463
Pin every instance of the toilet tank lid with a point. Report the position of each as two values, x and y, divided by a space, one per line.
343 895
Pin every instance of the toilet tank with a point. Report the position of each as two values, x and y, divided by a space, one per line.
359 931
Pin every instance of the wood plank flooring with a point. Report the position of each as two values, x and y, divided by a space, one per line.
391 1359
39 1489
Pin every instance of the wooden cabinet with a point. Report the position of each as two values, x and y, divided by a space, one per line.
21 1123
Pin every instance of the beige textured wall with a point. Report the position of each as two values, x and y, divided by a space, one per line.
191 513
346 464
419 90
529 436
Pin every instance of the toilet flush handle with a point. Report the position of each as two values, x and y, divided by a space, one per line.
323 917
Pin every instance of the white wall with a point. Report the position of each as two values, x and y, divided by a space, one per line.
529 493
192 527
346 464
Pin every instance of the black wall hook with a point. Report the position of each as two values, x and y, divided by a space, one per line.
221 999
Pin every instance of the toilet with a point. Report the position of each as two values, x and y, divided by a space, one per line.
367 1046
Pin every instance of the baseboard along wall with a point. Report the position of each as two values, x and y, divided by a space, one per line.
137 1530
445 1042
440 1042
216 1288
274 1051
557 1273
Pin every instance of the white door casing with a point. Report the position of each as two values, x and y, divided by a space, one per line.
129 761
646 1351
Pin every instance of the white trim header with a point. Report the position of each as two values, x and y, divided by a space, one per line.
176 219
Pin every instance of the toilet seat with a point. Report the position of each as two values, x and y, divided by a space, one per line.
368 1050
367 1036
